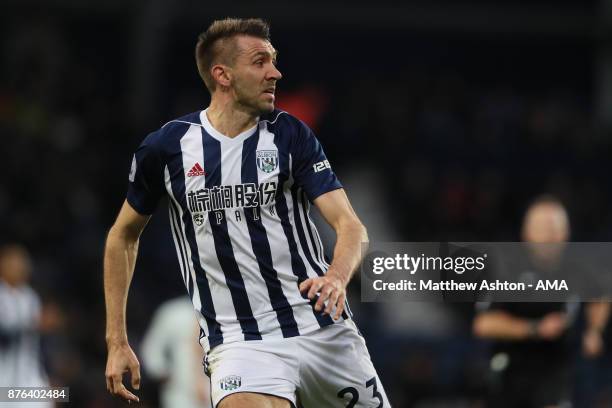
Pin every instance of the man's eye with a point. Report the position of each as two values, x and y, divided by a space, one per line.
259 62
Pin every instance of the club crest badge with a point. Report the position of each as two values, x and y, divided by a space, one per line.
198 219
230 383
267 160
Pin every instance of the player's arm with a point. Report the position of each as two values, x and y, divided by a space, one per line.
119 260
597 315
501 325
350 235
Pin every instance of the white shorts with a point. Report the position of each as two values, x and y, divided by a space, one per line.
330 367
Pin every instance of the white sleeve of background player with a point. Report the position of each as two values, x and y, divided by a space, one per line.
311 169
35 309
146 179
18 313
155 346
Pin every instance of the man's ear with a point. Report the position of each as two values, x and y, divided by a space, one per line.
221 74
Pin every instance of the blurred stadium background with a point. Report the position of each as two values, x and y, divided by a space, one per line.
442 118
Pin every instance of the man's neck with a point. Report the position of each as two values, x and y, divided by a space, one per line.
228 120
10 285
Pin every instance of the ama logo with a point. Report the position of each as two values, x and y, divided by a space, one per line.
552 285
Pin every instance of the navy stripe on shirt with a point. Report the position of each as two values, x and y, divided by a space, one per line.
297 264
261 245
174 227
324 320
175 166
318 250
223 244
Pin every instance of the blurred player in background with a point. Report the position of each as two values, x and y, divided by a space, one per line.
172 356
240 177
20 325
594 373
532 352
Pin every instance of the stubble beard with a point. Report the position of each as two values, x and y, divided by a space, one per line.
252 103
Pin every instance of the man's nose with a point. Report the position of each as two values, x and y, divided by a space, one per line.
275 73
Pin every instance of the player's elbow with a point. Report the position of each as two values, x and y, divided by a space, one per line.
365 240
489 325
115 233
119 234
351 226
480 327
355 228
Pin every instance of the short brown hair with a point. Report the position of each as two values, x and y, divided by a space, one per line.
546 199
212 42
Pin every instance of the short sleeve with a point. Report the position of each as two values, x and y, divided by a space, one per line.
146 182
311 169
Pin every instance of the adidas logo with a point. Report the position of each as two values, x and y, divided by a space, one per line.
196 170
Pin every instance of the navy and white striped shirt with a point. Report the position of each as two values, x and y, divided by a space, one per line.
239 218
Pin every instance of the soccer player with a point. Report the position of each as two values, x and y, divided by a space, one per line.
172 356
20 326
532 339
240 177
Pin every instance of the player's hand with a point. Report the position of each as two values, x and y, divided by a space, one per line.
552 326
121 359
331 289
592 343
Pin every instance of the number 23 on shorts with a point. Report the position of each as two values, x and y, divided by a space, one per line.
354 394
